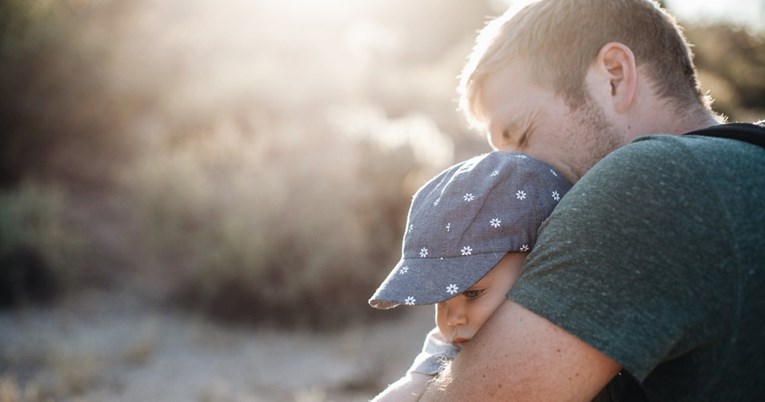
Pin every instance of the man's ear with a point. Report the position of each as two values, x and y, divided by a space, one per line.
615 63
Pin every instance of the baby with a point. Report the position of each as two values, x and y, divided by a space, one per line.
468 232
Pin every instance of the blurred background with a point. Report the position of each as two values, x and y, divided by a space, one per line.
197 198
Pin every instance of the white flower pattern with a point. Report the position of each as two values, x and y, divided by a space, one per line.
495 223
452 289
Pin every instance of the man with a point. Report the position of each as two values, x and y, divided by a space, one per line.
651 270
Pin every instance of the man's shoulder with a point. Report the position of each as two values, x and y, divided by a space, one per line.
655 146
640 160
679 154
660 168
728 137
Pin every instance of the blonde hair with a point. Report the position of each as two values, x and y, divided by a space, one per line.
559 39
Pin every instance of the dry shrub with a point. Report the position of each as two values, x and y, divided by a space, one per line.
39 251
61 115
295 229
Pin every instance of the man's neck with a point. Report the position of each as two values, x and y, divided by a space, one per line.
670 122
698 119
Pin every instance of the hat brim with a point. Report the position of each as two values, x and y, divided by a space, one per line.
417 281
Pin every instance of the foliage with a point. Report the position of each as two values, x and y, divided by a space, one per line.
38 250
275 232
732 67
62 116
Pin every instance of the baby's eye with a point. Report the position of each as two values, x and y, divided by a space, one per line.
473 293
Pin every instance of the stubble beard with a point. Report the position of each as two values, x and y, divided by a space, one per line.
597 136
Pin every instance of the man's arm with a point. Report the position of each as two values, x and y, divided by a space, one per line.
520 356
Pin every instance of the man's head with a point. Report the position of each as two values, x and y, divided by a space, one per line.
464 221
618 61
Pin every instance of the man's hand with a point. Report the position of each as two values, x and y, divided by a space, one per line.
520 356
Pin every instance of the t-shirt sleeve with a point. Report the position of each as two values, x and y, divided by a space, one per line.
615 264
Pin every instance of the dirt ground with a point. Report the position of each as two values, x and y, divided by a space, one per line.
106 346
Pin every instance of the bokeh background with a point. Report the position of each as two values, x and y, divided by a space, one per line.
197 198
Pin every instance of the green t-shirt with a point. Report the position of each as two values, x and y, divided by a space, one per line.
657 259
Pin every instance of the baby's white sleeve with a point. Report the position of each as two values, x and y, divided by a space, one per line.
436 352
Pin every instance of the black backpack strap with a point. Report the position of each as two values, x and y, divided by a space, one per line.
751 133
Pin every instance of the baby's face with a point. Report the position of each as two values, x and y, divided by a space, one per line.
460 317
